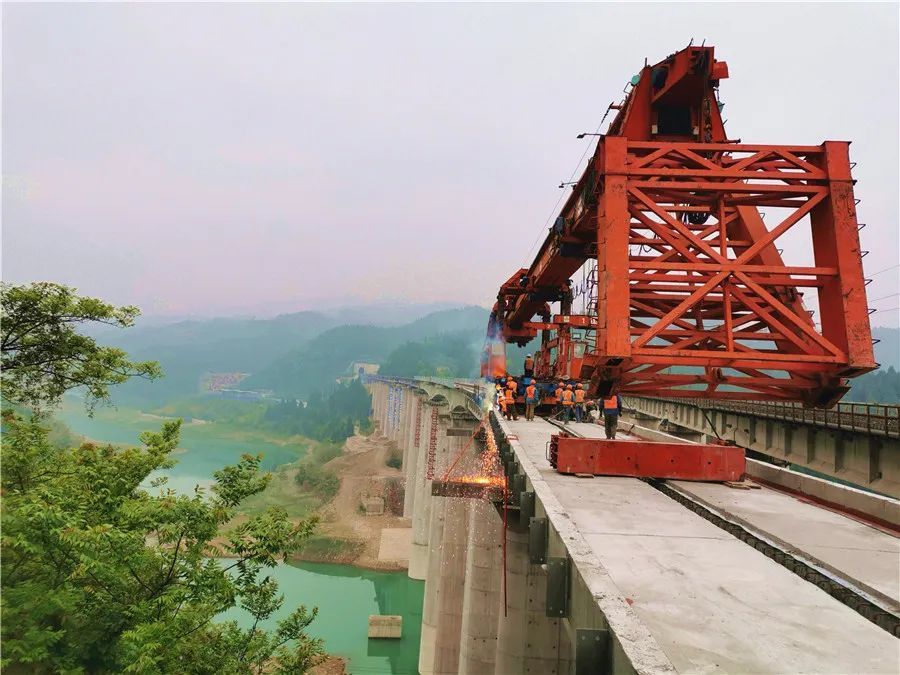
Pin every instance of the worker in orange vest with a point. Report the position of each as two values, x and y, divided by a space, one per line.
531 399
612 408
511 387
568 402
557 398
529 366
579 402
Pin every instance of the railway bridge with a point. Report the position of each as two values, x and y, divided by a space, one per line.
534 571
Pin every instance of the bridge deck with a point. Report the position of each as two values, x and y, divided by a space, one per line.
713 603
863 555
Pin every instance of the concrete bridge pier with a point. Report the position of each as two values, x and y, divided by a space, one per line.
451 587
436 540
483 591
423 501
430 605
377 391
527 640
409 465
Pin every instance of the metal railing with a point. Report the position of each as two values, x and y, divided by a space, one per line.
872 418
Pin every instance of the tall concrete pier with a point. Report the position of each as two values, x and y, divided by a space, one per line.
613 575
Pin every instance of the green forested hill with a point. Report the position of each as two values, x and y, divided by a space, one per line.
882 385
887 349
189 349
316 366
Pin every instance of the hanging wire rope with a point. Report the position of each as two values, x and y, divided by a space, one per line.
562 195
886 269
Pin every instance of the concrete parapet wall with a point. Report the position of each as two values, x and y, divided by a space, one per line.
871 461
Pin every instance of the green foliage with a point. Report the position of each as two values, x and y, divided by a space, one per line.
99 575
448 355
366 426
44 355
394 459
247 414
332 418
324 548
325 452
880 386
314 477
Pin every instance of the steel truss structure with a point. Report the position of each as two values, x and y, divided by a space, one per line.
693 296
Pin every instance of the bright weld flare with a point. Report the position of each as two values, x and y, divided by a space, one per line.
490 473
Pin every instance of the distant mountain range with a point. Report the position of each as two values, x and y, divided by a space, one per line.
292 354
306 369
297 354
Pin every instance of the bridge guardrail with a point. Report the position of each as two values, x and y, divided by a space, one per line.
872 418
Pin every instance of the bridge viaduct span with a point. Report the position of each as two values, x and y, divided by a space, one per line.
621 575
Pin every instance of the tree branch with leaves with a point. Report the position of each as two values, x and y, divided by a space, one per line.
44 355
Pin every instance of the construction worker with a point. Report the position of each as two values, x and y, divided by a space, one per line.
531 399
579 402
612 408
568 401
511 388
529 366
557 399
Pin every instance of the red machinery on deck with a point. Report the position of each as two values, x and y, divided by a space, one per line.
693 297
678 461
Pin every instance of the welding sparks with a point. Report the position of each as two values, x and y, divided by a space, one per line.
490 472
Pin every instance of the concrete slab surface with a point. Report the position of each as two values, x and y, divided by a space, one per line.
713 603
862 554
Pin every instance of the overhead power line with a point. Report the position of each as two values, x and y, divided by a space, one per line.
562 195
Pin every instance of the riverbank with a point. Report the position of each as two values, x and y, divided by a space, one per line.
378 540
346 534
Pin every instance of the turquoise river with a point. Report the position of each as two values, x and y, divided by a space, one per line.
345 595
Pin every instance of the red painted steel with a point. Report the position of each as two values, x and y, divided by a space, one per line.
646 459
694 298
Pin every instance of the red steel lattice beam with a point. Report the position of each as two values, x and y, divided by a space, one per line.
693 296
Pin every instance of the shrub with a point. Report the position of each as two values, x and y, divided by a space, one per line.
316 478
394 459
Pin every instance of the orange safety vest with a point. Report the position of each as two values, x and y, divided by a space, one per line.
579 396
530 392
558 394
510 395
567 397
611 403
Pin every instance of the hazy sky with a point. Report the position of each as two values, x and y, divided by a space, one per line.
260 158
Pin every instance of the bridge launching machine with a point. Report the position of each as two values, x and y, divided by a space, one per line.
690 295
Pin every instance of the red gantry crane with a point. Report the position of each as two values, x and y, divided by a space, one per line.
693 297
683 229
